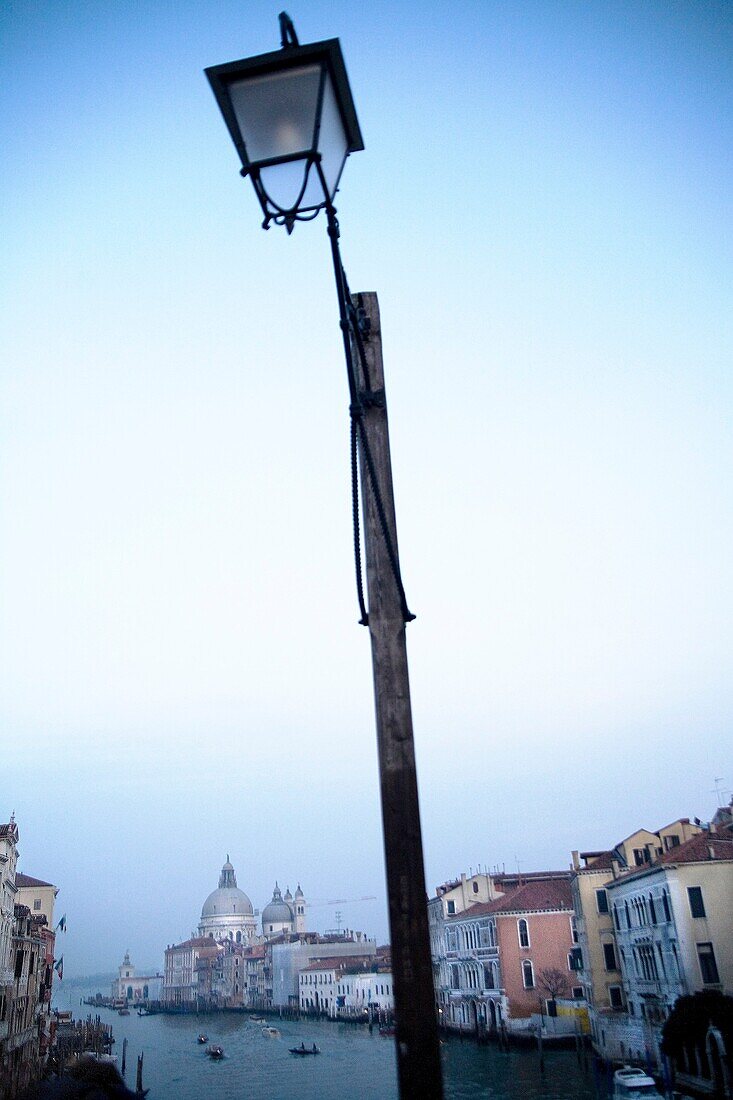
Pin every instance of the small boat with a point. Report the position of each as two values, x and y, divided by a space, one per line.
271 1033
143 1012
123 1012
203 1038
302 1050
386 1032
630 1083
257 1019
215 1052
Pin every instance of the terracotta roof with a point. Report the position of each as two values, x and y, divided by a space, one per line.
28 880
599 861
699 848
327 964
520 877
696 850
533 897
195 941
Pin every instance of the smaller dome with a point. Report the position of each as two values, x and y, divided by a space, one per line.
278 911
299 892
288 895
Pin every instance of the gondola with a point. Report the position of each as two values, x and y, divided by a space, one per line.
302 1050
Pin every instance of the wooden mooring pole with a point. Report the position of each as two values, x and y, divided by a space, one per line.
416 1028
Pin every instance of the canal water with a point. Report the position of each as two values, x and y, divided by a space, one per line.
352 1063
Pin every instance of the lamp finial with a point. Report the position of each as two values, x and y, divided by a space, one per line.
288 37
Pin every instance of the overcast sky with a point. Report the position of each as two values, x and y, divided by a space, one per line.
544 208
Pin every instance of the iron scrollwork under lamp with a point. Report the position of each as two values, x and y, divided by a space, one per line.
292 119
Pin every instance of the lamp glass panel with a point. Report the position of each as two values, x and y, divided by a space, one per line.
283 183
276 113
332 141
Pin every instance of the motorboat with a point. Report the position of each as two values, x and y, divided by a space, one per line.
631 1082
257 1019
271 1033
203 1038
215 1052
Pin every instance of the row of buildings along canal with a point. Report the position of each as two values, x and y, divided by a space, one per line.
604 948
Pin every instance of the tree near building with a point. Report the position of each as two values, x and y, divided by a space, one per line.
553 982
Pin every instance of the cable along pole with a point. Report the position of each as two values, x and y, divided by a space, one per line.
417 1040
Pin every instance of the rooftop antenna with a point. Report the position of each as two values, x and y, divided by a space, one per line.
719 791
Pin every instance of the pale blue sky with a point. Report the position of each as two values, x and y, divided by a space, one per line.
544 208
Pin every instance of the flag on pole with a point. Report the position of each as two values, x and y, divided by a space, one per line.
59 968
62 924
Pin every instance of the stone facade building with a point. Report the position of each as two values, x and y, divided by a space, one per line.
26 968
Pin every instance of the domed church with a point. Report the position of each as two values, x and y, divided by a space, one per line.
284 914
228 914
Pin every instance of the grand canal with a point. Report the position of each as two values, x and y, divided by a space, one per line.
352 1062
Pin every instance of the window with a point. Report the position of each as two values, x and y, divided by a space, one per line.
697 905
36 904
489 976
652 910
528 974
578 993
475 888
615 996
671 842
665 906
602 901
454 979
662 967
708 966
575 959
616 920
573 930
609 956
639 854
450 907
523 932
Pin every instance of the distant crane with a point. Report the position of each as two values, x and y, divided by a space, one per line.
319 902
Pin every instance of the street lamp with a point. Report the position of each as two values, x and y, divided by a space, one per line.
292 119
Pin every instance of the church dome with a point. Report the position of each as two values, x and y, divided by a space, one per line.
228 900
278 911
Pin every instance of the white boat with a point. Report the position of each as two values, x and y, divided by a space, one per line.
630 1083
271 1033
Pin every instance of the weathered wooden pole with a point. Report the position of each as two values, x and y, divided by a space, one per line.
139 1076
418 1049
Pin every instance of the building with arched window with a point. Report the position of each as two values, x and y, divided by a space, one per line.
135 988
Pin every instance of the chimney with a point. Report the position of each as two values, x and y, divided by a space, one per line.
615 868
711 851
576 860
